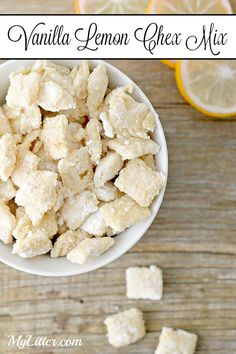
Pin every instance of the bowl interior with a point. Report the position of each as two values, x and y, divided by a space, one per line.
45 265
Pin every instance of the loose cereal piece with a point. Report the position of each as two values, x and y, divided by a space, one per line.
56 91
149 160
7 223
176 342
26 163
95 224
37 194
67 241
108 192
97 86
123 116
4 124
54 136
125 328
94 141
122 213
76 171
23 90
7 156
140 182
144 283
76 209
90 249
130 148
107 168
80 80
35 244
24 120
7 190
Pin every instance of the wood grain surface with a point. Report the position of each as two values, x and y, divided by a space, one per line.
193 239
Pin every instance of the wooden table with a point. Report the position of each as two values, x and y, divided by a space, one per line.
193 240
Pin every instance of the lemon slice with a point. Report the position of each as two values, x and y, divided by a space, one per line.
170 62
189 7
111 6
209 85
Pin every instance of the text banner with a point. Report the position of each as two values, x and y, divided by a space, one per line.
124 37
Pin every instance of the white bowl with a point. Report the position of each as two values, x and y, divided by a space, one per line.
45 265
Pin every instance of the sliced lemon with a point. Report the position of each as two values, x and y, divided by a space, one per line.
208 85
111 6
189 7
171 63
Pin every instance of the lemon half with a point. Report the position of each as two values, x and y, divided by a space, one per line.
169 7
190 7
209 85
111 6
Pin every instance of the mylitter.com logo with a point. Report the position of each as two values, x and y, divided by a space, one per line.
25 341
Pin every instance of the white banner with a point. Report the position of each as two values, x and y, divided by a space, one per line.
124 37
